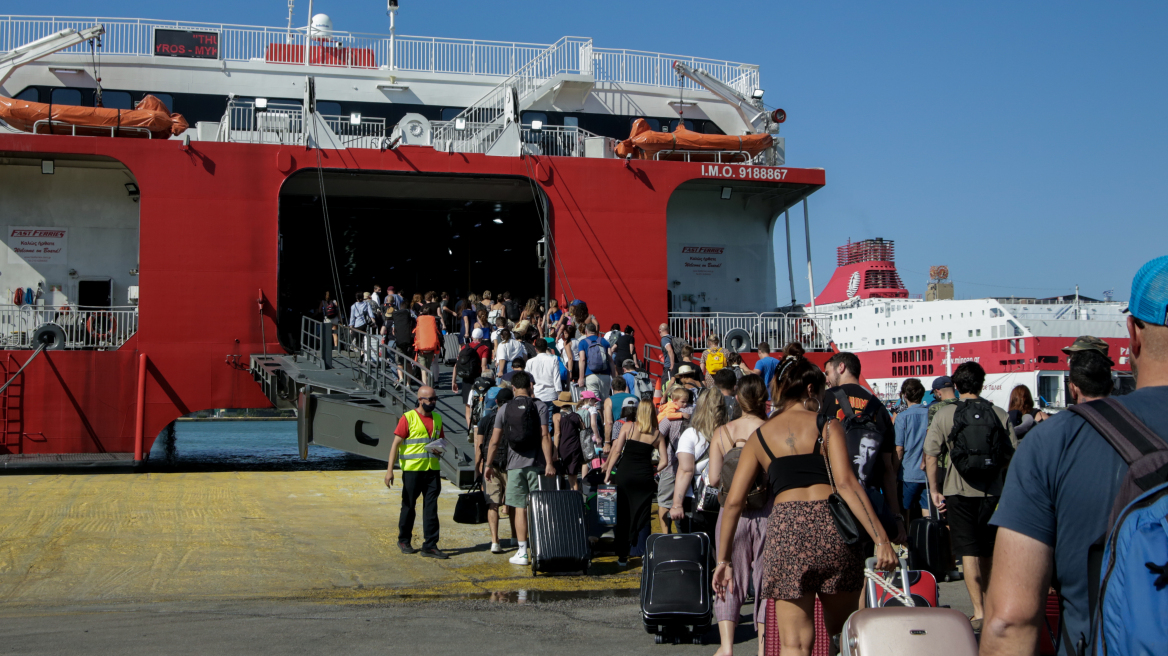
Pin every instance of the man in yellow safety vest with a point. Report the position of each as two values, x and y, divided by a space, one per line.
420 475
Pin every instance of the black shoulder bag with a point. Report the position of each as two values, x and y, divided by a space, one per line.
845 521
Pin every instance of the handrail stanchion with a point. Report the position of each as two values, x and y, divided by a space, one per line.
139 425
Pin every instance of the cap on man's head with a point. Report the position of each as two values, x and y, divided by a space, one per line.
628 364
1086 343
576 302
686 369
477 333
504 395
941 382
1149 292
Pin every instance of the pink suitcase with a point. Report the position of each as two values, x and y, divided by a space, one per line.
908 632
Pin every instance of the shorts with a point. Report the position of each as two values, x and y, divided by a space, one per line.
405 349
914 495
464 389
599 384
571 465
520 482
970 531
426 358
665 488
496 488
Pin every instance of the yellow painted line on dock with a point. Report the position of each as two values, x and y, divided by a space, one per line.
67 539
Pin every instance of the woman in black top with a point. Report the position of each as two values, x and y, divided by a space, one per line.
631 457
804 555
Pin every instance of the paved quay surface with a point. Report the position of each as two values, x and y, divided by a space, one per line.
285 562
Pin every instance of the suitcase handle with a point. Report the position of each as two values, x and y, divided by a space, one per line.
875 578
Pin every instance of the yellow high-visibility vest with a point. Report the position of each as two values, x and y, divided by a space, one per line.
412 453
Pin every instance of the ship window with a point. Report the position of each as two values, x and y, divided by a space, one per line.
30 94
571 122
712 128
448 113
979 332
527 117
971 333
66 96
688 124
116 100
329 108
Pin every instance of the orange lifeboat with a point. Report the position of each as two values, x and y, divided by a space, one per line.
682 143
151 115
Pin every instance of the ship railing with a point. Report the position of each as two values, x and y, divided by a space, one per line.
483 121
356 131
376 366
743 331
275 123
105 328
71 129
135 37
714 156
554 140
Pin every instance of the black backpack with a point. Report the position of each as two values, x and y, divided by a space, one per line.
500 462
403 327
522 429
470 365
979 446
513 309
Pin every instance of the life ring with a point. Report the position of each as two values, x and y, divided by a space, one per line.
95 328
806 331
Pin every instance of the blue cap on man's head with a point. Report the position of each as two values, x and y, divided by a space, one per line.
1149 292
941 382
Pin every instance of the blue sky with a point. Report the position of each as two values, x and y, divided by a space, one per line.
1021 144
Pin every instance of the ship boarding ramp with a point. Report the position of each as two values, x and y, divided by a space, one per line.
351 395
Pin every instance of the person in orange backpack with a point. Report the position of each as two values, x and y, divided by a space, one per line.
427 344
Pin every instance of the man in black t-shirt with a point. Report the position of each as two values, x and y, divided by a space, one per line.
494 489
878 473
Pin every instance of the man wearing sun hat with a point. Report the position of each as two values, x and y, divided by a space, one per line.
1060 489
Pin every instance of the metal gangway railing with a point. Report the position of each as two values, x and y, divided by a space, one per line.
743 331
244 43
377 367
356 131
84 327
269 122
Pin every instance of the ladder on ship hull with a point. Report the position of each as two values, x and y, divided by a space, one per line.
351 396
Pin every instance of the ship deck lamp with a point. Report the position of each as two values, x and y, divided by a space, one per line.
757 95
355 119
537 126
261 103
460 124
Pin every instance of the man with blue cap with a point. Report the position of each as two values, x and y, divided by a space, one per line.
1056 507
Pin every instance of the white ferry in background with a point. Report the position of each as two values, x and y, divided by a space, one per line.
1018 340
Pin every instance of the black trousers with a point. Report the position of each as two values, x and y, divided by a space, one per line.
427 485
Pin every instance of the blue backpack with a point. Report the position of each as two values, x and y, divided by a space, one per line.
489 402
595 356
1127 613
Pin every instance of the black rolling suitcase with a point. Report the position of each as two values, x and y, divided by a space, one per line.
928 544
676 579
555 522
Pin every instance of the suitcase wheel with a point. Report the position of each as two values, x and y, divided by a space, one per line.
699 640
659 639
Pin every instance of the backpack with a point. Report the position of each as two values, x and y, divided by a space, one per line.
427 338
513 310
643 386
858 427
469 364
572 428
500 462
595 357
979 448
715 360
330 310
522 428
756 498
1128 610
489 402
403 327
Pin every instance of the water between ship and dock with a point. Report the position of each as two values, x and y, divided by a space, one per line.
234 544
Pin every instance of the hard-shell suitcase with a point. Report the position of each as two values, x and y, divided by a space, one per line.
774 647
928 544
922 587
908 632
555 520
450 348
676 579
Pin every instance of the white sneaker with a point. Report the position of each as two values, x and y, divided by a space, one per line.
495 548
519 559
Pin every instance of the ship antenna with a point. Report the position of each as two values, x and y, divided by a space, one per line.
291 5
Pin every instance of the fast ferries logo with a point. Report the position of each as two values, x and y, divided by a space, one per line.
703 250
18 232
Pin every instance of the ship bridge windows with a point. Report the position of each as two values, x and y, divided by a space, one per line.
30 94
689 125
526 118
329 108
449 113
117 100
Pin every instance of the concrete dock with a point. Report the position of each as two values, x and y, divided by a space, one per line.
69 539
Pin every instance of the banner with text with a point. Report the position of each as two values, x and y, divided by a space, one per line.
704 260
36 245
